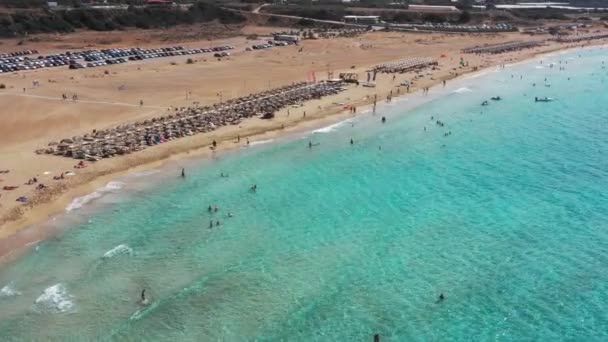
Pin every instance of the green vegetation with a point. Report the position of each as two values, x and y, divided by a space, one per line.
539 13
22 22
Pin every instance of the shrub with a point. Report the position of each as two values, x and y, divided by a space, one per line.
2 86
189 61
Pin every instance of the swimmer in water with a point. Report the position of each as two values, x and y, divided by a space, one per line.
254 188
309 144
383 119
352 141
144 300
441 298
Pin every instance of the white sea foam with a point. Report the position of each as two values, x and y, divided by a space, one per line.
120 249
482 73
462 90
539 67
261 142
78 202
331 127
145 173
114 186
9 291
55 299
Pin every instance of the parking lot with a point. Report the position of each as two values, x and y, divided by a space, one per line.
25 60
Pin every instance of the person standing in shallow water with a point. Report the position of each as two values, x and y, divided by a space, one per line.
352 142
183 173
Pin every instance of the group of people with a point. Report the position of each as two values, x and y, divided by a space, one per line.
65 97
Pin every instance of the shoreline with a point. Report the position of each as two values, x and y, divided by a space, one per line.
54 203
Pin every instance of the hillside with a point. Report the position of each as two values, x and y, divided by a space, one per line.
30 21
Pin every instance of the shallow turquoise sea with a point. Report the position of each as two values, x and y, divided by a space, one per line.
507 216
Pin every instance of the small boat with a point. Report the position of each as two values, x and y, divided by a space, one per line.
496 98
543 99
484 103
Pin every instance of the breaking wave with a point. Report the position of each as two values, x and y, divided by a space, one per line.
120 249
261 142
55 299
9 291
79 202
331 127
462 90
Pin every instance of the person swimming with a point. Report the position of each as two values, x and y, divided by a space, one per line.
254 188
209 209
441 298
484 103
376 337
383 119
144 300
309 144
352 142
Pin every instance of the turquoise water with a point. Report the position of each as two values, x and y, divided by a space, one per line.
507 217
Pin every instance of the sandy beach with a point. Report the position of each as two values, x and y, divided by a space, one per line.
33 116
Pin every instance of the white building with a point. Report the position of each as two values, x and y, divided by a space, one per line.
362 19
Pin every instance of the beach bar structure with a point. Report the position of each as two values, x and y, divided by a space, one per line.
503 47
405 65
137 136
